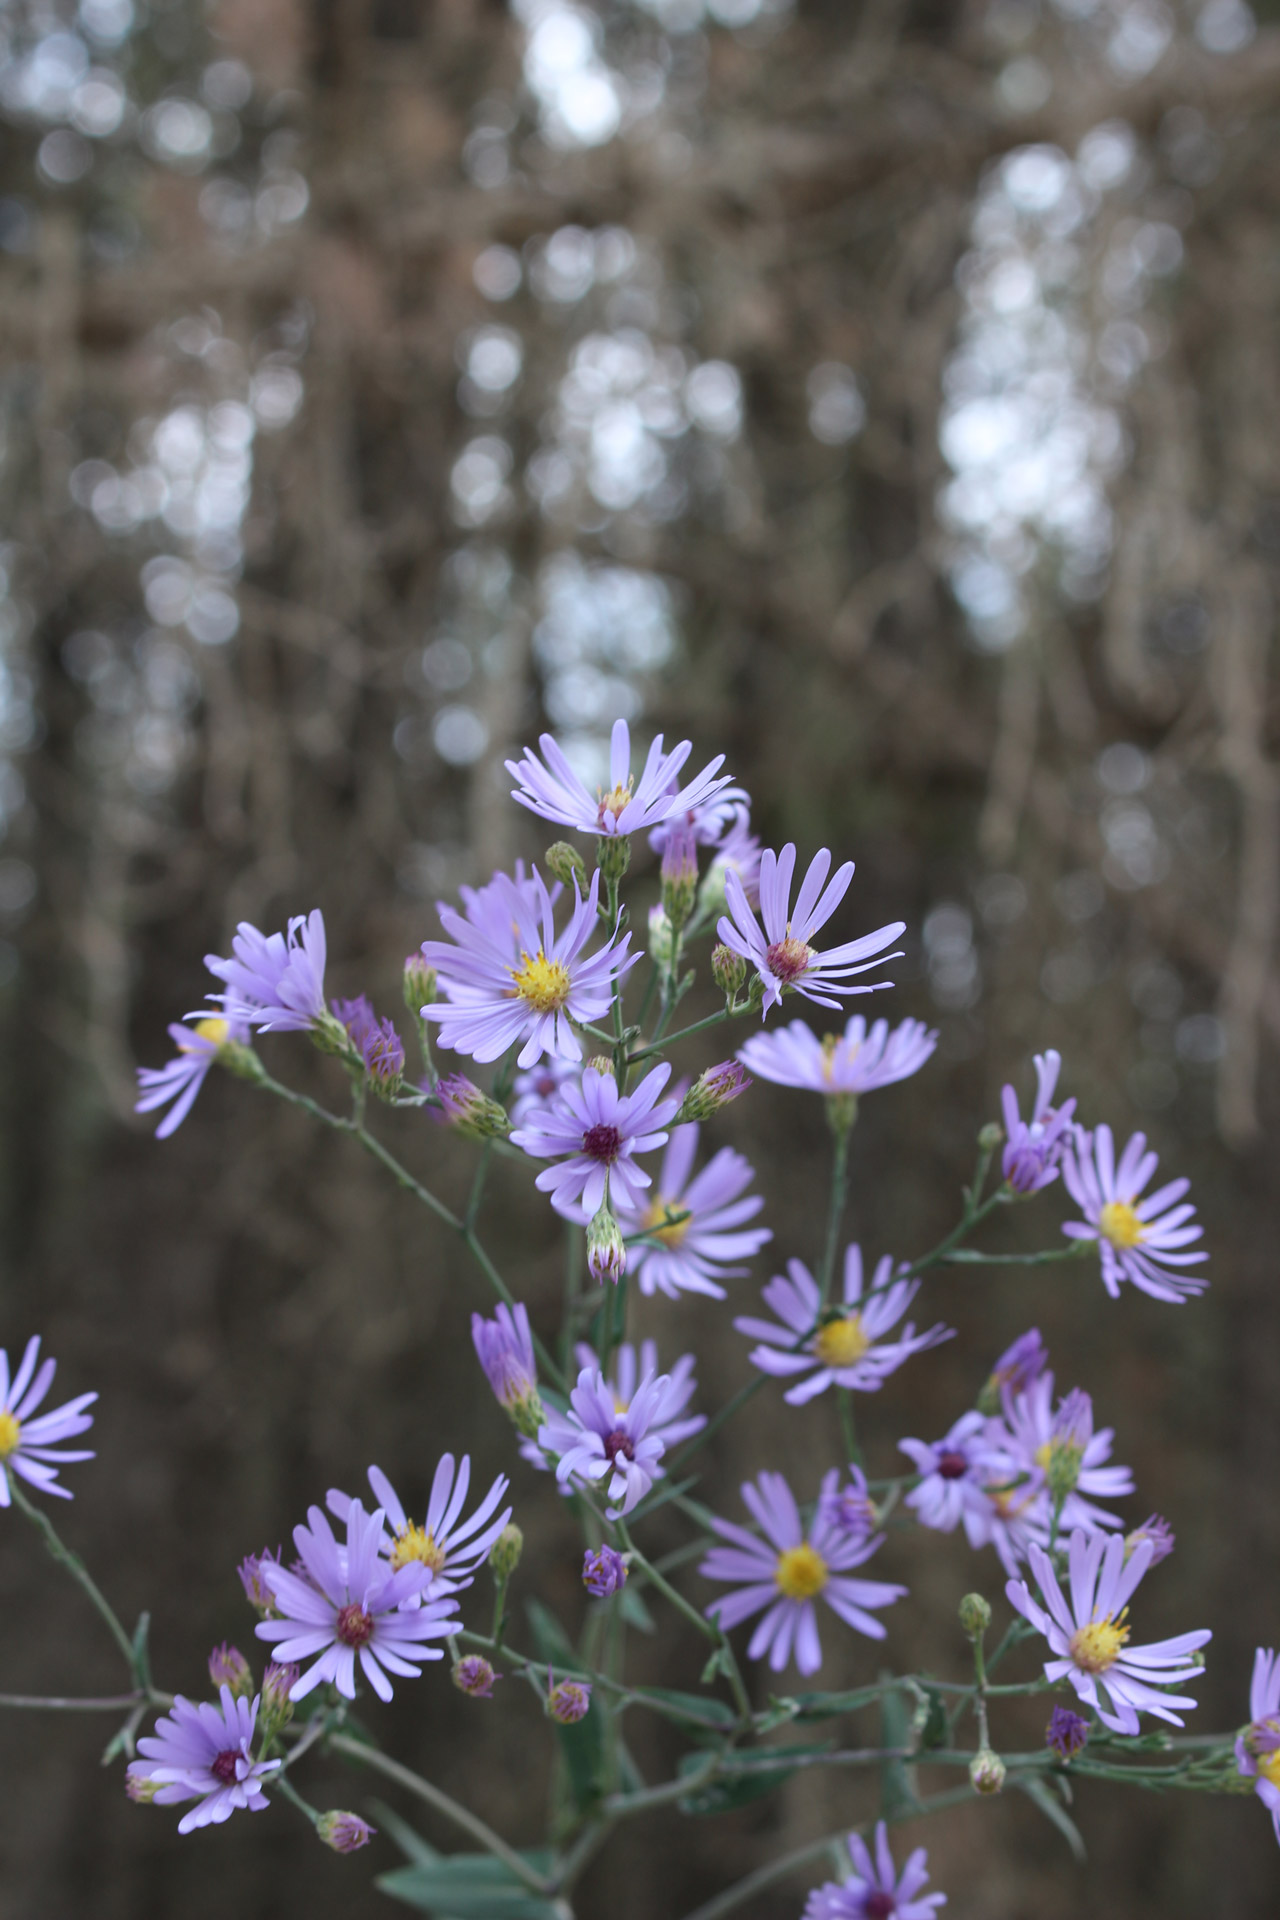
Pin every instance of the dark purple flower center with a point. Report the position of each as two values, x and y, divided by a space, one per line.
355 1626
879 1905
223 1766
952 1466
602 1143
616 1443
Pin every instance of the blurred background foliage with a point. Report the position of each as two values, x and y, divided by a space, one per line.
882 391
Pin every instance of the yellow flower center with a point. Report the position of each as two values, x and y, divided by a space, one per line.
213 1029
1269 1766
842 1342
1121 1225
673 1232
10 1434
800 1573
415 1543
1042 1456
830 1042
543 983
615 800
1096 1647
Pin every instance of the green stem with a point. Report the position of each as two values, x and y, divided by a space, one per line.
286 1789
699 1026
80 1574
835 1211
852 1451
105 1703
477 1185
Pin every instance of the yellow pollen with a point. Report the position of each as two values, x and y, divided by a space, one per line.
1121 1225
842 1342
1041 1456
800 1573
543 983
1097 1646
415 1543
10 1434
212 1029
672 1234
615 800
1268 1765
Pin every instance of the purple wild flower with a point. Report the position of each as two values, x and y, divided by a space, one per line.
504 1348
469 1111
630 1367
1066 1734
1138 1240
1157 1530
1059 1447
1018 1366
598 1440
1034 1147
252 1571
785 1572
875 1890
604 1572
29 1441
180 1081
739 853
229 1668
782 955
204 1753
554 791
275 981
849 1509
592 1132
857 1062
358 1017
956 1473
697 1221
449 1547
709 822
1258 1746
536 1089
713 1090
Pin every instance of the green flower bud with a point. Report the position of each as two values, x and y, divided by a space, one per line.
613 855
504 1554
975 1615
986 1771
567 865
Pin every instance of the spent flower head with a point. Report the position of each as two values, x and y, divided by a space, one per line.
604 1572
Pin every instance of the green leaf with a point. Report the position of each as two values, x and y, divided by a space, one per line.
703 1709
460 1886
1041 1793
634 1610
582 1745
738 1789
897 1783
825 1706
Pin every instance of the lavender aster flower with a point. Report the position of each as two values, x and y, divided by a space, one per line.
603 1572
785 1572
592 1132
739 853
504 1348
29 1441
875 1890
513 978
200 1752
1089 1633
229 1668
1061 1446
1138 1239
181 1080
1066 1734
857 1062
623 1446
1258 1746
630 1367
708 822
350 1604
275 981
956 1473
782 955
554 792
1158 1531
1016 1368
449 1547
1034 1147
534 1090
706 1213
848 1509
840 1345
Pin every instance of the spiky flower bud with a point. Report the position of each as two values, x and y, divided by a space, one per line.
504 1554
603 1572
566 865
344 1832
229 1668
662 938
990 1136
728 970
468 1111
606 1251
276 1710
679 872
613 855
1066 1734
419 986
256 1590
712 1090
986 1771
474 1676
1157 1530
568 1700
975 1615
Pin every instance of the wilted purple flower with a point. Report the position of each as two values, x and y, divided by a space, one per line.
1258 1747
200 1752
1066 1734
28 1446
875 1890
1157 1530
1034 1147
229 1668
449 1547
567 1700
504 1347
849 1509
707 1213
1089 1633
358 1017
782 955
510 977
474 1676
1138 1239
275 981
956 1472
383 1052
596 1439
555 792
592 1132
857 1062
469 1111
181 1080
253 1580
603 1572
842 1345
1060 1446
344 1832
786 1572
350 1604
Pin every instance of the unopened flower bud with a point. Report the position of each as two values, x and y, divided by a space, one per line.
383 1053
1018 1367
419 986
140 1787
330 1034
567 865
504 1554
568 1700
990 1136
468 1111
603 1572
1071 1434
662 938
975 1615
239 1058
253 1580
728 970
986 1771
276 1708
599 1063
606 1252
679 872
613 855
712 1090
1066 1734
528 1415
1157 1530
229 1668
344 1832
474 1676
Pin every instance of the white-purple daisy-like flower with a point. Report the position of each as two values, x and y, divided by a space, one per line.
555 792
596 1439
708 822
856 1062
351 1604
1258 1745
181 1079
30 1441
782 954
698 1221
450 1547
956 1474
1088 1632
593 1132
1034 1147
509 976
204 1753
630 1366
275 981
1021 1363
847 1506
536 1089
844 1345
876 1890
1139 1240
1060 1445
786 1572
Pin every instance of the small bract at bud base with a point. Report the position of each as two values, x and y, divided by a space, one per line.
986 1771
504 1554
975 1615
